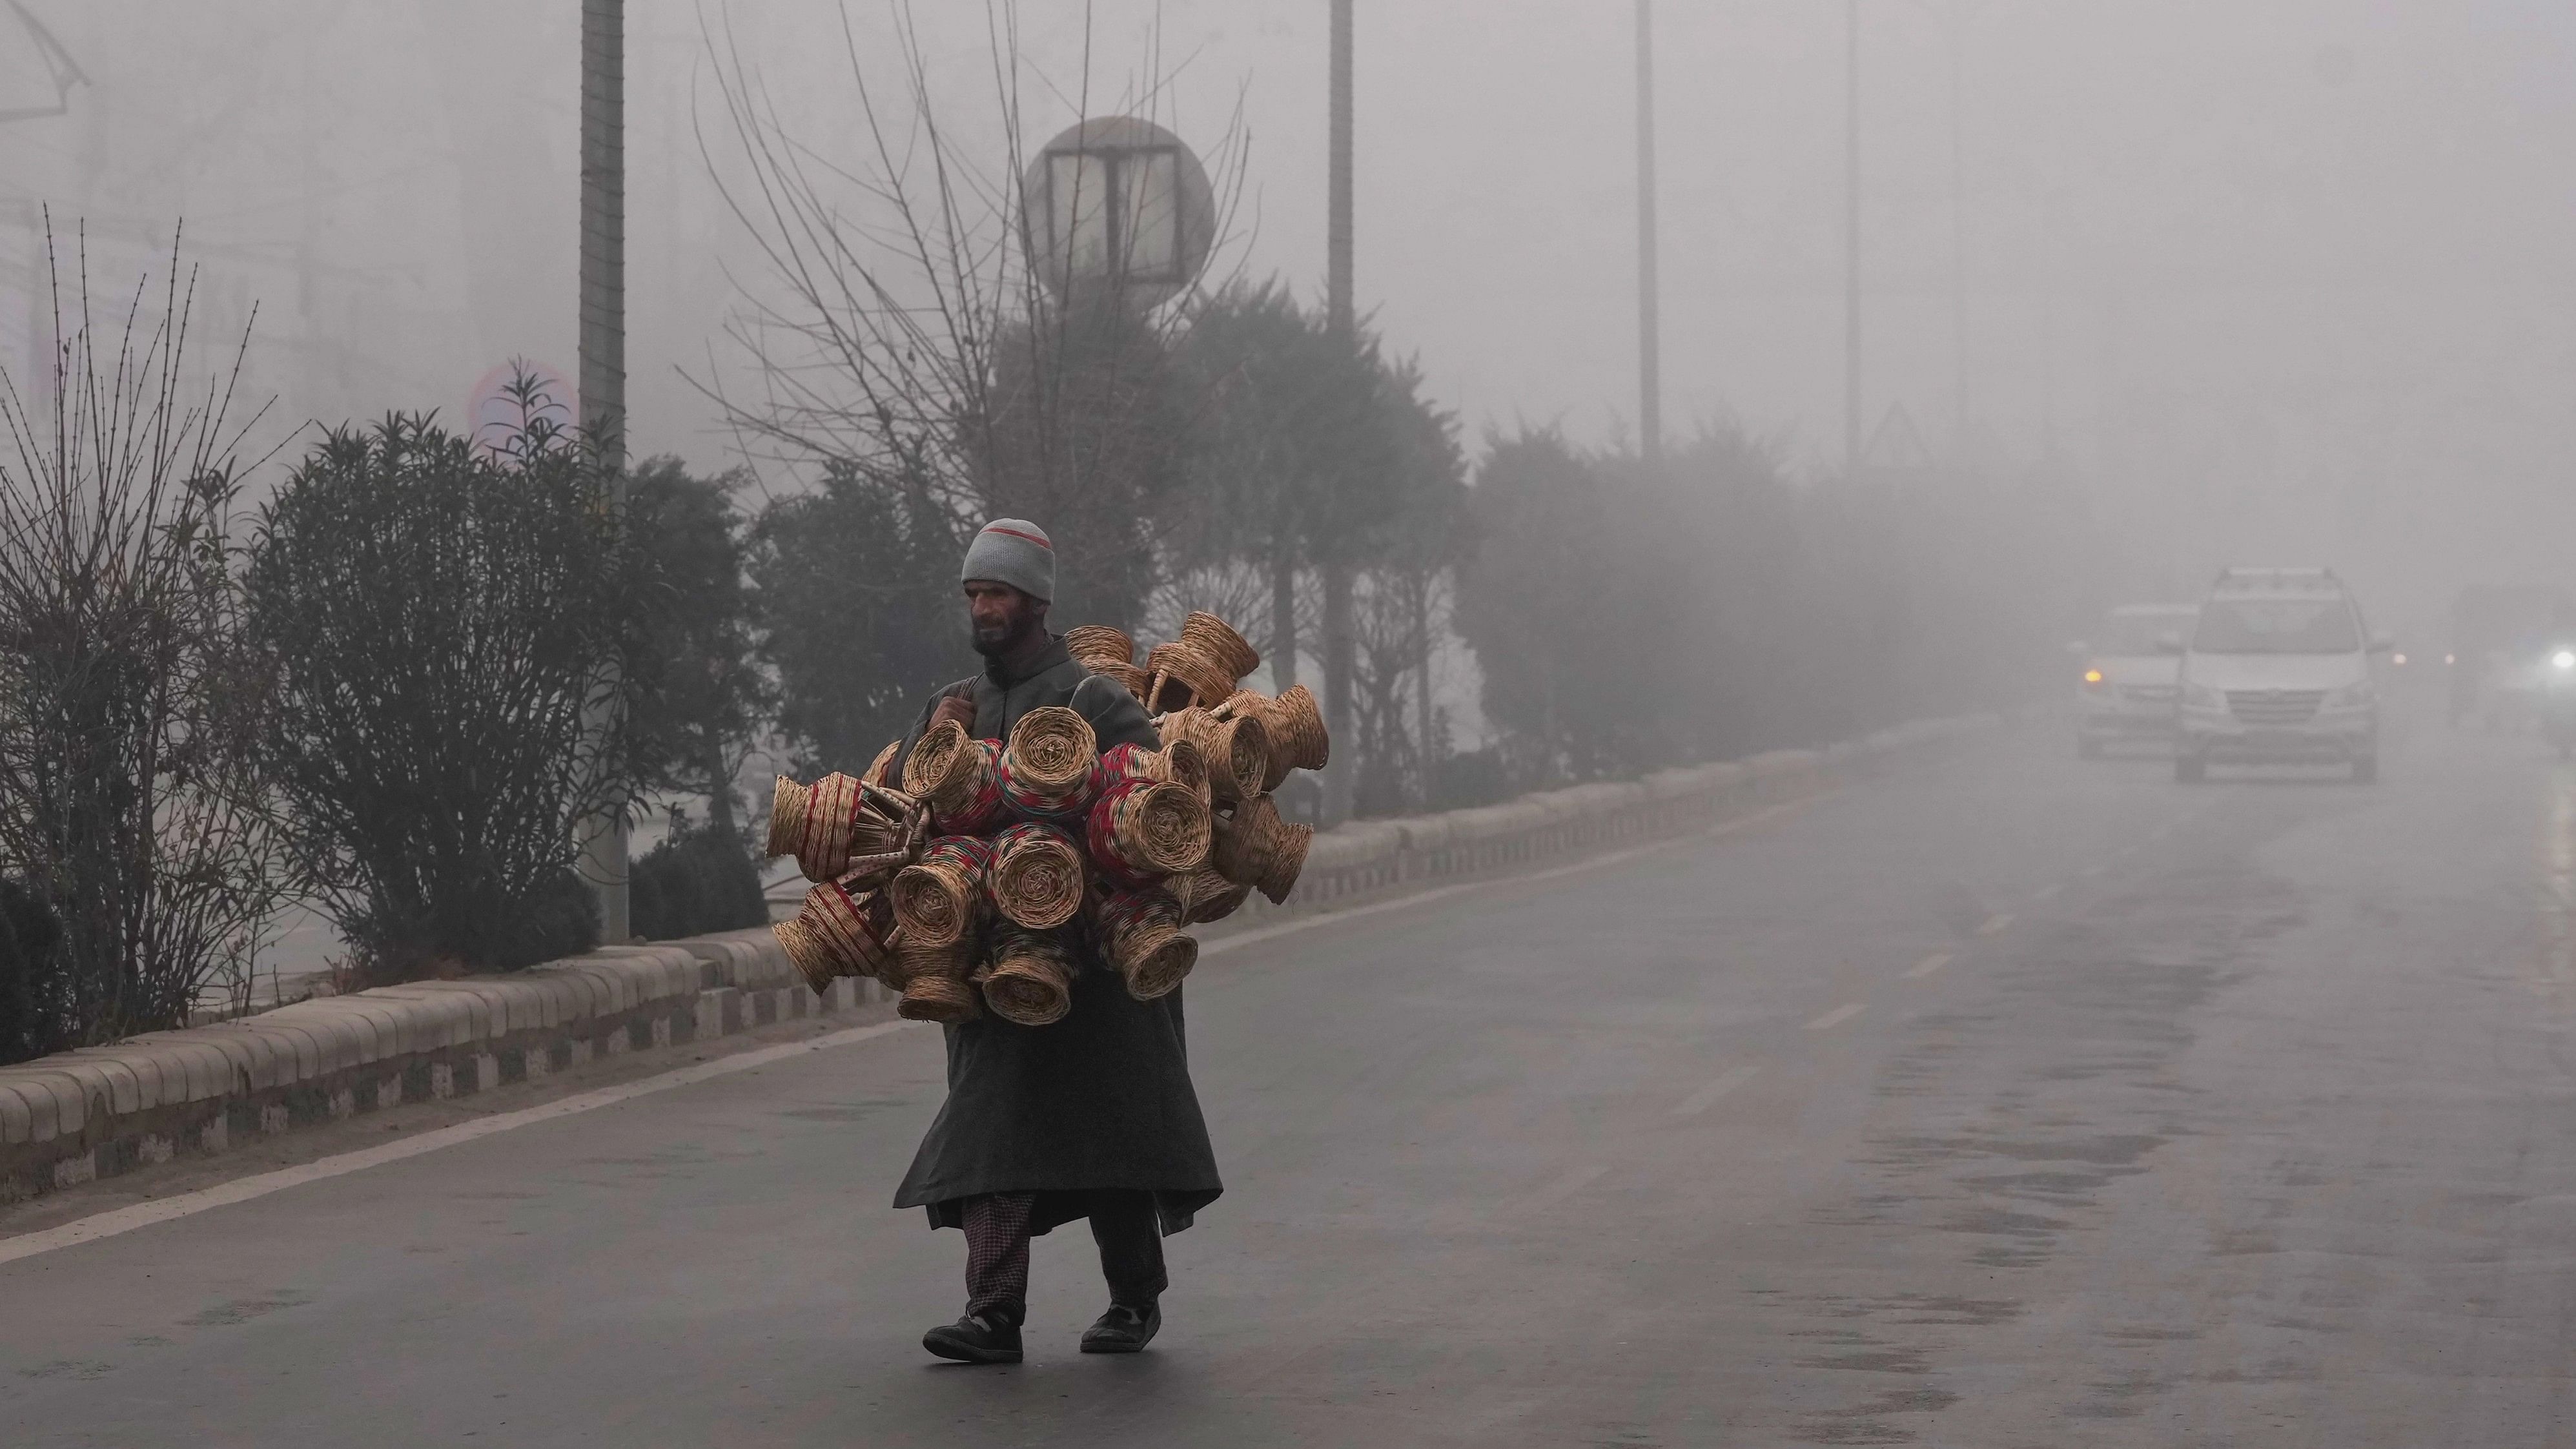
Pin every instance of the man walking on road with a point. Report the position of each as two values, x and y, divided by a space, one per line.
1092 1116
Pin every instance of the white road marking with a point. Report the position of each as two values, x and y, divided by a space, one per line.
243 1189
1706 1097
1995 925
1927 965
1838 1016
1259 934
1561 1189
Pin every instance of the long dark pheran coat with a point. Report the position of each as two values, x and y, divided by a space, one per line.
1098 1099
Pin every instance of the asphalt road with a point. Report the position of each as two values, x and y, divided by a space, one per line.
2009 1102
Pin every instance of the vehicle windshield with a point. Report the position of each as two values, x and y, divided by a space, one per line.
2277 626
2137 633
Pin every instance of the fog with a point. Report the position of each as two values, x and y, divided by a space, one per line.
2268 282
2003 877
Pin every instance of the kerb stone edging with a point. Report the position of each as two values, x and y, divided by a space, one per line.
100 1111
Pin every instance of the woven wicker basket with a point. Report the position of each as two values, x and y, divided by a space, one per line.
838 827
1287 862
1097 646
838 933
1037 880
1218 640
1183 763
1140 934
1254 847
934 984
958 777
1252 704
1297 729
1142 830
1050 770
1030 980
1183 675
1178 763
1205 896
938 897
1133 679
1237 750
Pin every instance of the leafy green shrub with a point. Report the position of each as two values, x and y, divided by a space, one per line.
131 717
30 944
452 635
699 879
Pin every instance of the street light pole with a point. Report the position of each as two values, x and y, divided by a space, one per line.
1650 380
1851 239
1341 644
1958 242
603 352
1337 224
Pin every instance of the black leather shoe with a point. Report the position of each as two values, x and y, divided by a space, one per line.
1123 1329
973 1339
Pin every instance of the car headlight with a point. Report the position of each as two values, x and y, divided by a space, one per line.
2563 659
2201 696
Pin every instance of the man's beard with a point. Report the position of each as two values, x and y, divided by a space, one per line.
996 642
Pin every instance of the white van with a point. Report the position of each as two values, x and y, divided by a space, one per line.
2277 671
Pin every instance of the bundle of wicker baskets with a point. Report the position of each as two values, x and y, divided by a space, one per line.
978 884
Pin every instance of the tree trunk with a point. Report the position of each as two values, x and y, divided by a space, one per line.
719 789
1283 621
1432 750
1340 665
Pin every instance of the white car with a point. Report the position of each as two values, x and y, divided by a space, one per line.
2126 693
2278 671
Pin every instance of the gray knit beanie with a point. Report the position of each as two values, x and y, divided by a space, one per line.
1013 551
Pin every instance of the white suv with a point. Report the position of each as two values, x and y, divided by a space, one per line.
2277 671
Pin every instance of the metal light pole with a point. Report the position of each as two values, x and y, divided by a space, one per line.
1650 379
1337 223
1958 242
603 349
1851 238
1341 647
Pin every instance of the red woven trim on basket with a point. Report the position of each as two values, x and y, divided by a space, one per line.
1120 764
1038 806
981 815
1121 911
967 851
1100 837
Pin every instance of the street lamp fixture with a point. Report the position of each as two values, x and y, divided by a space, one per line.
1119 204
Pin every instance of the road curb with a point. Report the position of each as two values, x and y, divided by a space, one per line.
103 1111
